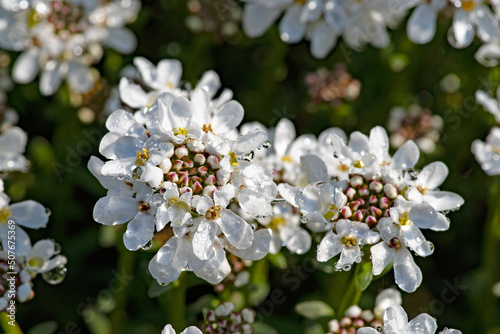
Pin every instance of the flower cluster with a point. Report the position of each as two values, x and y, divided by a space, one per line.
222 320
17 255
179 164
417 124
366 199
366 22
62 39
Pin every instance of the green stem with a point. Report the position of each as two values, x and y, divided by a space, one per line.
490 254
174 304
9 329
126 262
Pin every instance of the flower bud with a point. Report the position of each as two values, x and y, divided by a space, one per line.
200 159
390 191
181 152
356 181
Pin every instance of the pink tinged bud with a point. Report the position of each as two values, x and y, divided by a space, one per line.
210 180
371 221
351 330
181 152
350 193
173 177
364 191
234 328
390 191
222 323
334 326
200 159
211 316
188 163
367 315
356 181
184 190
346 212
387 213
358 323
193 171
345 321
209 329
376 186
209 190
197 187
376 211
183 180
165 166
247 329
196 179
177 165
343 331
384 203
358 216
235 318
373 199
354 205
213 162
361 201
353 312
203 170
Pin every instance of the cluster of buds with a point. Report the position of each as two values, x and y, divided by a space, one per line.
224 320
354 319
66 16
368 200
332 86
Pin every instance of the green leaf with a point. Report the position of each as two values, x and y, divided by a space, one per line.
97 322
277 260
364 275
47 327
314 309
262 328
313 328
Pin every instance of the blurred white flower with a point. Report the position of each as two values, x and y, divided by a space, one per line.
62 39
488 153
190 330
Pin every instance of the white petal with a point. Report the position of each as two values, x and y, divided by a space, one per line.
26 66
407 275
254 203
292 30
249 142
43 248
257 19
191 330
227 118
260 246
381 257
114 210
323 40
289 193
432 175
462 28
283 136
29 214
422 24
152 176
406 156
395 320
487 24
132 94
443 200
179 213
140 231
203 240
296 239
422 323
314 168
167 265
51 78
79 77
214 270
122 40
329 247
169 72
237 231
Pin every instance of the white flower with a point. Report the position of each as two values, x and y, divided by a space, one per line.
12 146
406 273
488 153
44 257
385 299
450 331
62 39
489 103
346 240
488 54
190 330
396 322
470 14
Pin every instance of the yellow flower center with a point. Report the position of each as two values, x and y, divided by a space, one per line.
207 128
142 157
343 168
421 189
331 212
276 223
233 159
468 5
359 164
181 131
350 241
169 85
4 215
403 219
35 262
33 18
287 158
213 213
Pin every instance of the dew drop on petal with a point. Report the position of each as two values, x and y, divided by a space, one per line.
48 211
283 243
148 245
431 246
57 248
162 284
346 267
380 329
55 276
266 144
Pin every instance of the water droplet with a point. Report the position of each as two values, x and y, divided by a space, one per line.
148 245
431 246
121 177
57 248
48 211
283 243
346 267
162 284
266 144
380 329
186 268
55 276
